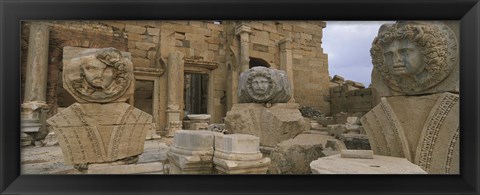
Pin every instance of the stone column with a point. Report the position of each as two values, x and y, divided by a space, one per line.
244 32
174 90
34 102
286 62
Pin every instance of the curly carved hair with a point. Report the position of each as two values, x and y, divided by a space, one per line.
433 45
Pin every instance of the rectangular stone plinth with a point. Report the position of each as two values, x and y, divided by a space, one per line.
191 152
194 140
237 143
199 162
223 166
144 168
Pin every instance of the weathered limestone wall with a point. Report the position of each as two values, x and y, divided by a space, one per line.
349 99
209 48
310 66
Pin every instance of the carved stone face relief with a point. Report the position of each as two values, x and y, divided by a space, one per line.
414 56
403 57
262 85
96 75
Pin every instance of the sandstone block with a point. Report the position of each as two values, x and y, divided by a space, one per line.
194 140
428 136
293 156
135 29
237 143
145 46
284 122
97 133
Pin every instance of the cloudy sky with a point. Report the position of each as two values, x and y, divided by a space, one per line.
347 44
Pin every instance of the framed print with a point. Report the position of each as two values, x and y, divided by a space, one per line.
135 77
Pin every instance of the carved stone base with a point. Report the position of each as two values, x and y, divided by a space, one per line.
98 133
423 129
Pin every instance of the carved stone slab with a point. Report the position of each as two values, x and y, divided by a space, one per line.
96 133
262 85
427 135
413 58
280 122
97 75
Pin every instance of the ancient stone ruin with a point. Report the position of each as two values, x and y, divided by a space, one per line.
265 93
235 97
416 74
101 128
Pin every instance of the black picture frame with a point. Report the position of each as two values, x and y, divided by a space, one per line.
14 11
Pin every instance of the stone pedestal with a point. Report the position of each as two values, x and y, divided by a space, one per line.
423 129
98 133
239 154
335 164
191 152
152 133
280 122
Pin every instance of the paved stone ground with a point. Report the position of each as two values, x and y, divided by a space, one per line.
49 159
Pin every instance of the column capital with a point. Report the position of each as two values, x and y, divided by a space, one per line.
285 44
242 28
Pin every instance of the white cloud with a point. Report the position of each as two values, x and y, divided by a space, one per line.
347 44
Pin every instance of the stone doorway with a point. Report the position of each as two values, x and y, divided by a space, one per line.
196 93
144 95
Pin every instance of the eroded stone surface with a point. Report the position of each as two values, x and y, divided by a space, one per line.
412 58
293 156
262 85
378 165
191 152
273 125
97 75
428 136
96 133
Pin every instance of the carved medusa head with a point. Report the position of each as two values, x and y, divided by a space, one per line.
103 75
412 56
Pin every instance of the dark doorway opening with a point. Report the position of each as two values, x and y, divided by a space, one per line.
196 93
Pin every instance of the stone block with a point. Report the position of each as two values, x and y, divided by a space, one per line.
153 31
98 133
194 140
223 166
355 141
273 125
378 165
293 156
200 126
237 143
423 129
135 29
145 46
143 168
141 62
